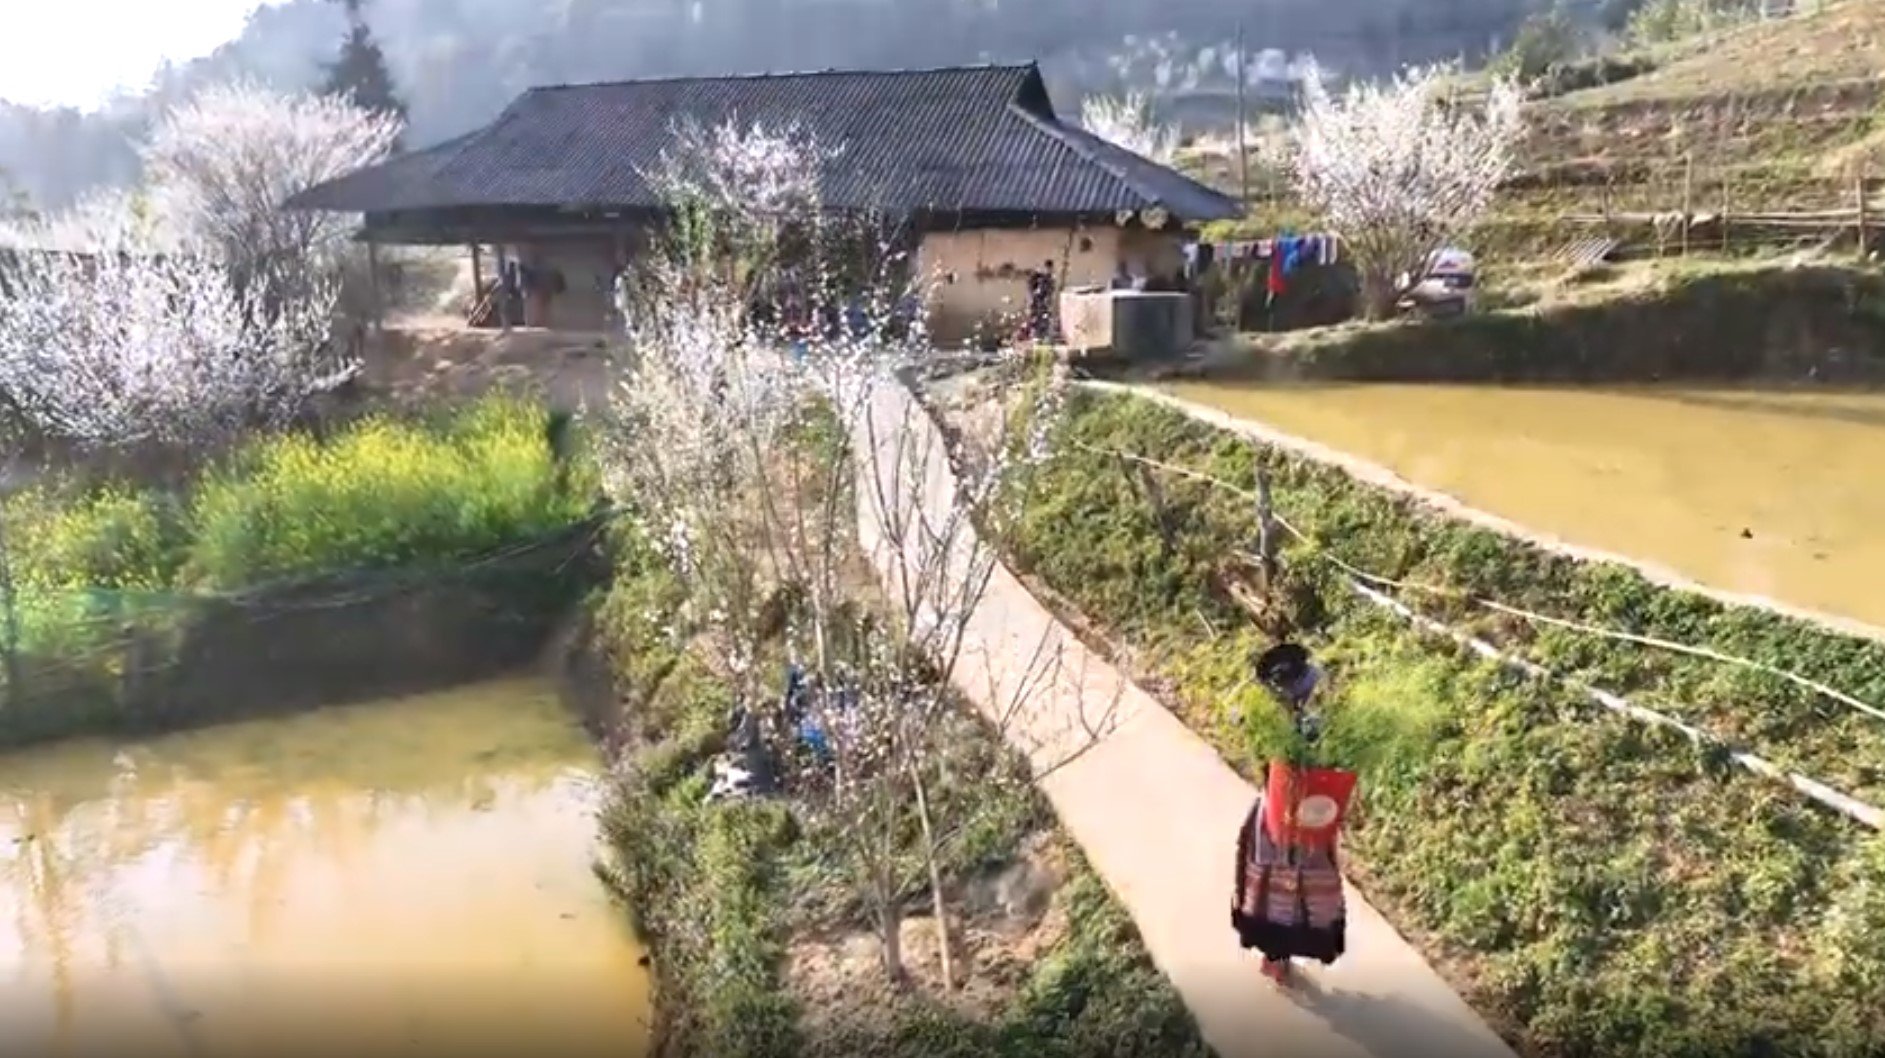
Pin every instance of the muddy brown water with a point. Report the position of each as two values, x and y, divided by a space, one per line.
403 877
1779 494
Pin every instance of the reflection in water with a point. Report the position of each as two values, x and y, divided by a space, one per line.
1771 493
393 878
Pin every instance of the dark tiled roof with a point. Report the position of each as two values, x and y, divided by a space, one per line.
967 138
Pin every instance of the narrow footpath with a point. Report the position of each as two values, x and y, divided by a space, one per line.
1152 805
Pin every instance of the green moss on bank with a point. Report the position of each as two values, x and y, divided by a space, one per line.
1092 531
1824 324
392 553
1595 885
720 891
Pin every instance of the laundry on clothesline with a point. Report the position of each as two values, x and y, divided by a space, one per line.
1294 250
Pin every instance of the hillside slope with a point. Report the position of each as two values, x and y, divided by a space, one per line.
1776 115
1838 42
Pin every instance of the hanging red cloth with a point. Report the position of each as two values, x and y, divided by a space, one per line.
1305 807
1276 280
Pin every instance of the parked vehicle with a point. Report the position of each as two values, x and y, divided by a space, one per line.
1448 287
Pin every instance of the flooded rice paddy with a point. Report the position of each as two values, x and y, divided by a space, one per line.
1779 494
412 876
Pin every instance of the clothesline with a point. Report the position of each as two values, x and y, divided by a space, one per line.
1284 254
1323 551
1294 250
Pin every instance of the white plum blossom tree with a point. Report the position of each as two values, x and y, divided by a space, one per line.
1130 123
749 172
1398 170
770 462
114 219
197 306
128 347
222 165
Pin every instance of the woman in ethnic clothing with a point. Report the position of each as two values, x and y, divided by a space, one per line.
1288 901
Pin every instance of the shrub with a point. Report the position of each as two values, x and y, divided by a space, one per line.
1545 40
119 601
1661 21
115 538
82 564
719 890
702 881
383 493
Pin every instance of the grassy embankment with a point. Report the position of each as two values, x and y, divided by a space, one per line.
726 894
117 587
1639 323
1594 885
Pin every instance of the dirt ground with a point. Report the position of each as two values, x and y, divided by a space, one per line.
1003 923
413 363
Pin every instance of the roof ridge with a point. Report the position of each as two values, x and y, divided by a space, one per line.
830 71
1056 128
1080 140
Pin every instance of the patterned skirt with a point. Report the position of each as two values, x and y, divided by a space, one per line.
1287 903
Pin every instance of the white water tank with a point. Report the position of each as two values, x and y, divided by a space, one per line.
1129 324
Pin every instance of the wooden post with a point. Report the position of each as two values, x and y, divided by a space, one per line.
373 283
9 607
1161 513
1858 194
1266 527
503 294
477 274
1723 219
1688 198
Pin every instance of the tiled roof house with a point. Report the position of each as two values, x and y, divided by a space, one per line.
988 176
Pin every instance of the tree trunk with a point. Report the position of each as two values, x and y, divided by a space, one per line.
1379 292
890 934
939 905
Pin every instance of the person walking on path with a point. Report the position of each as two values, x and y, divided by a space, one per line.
1287 902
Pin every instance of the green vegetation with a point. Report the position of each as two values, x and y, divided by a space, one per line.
381 493
720 891
384 493
1545 41
1704 119
115 588
1699 321
1595 885
1659 21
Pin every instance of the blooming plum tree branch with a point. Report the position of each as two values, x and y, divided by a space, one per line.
1398 171
222 165
128 347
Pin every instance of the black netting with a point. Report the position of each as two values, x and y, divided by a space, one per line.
127 661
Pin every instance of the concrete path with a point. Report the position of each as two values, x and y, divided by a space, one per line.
1153 806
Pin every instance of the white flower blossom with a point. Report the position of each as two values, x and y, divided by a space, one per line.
1398 170
125 348
769 310
199 306
223 164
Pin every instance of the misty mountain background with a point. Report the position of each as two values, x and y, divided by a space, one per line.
456 63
